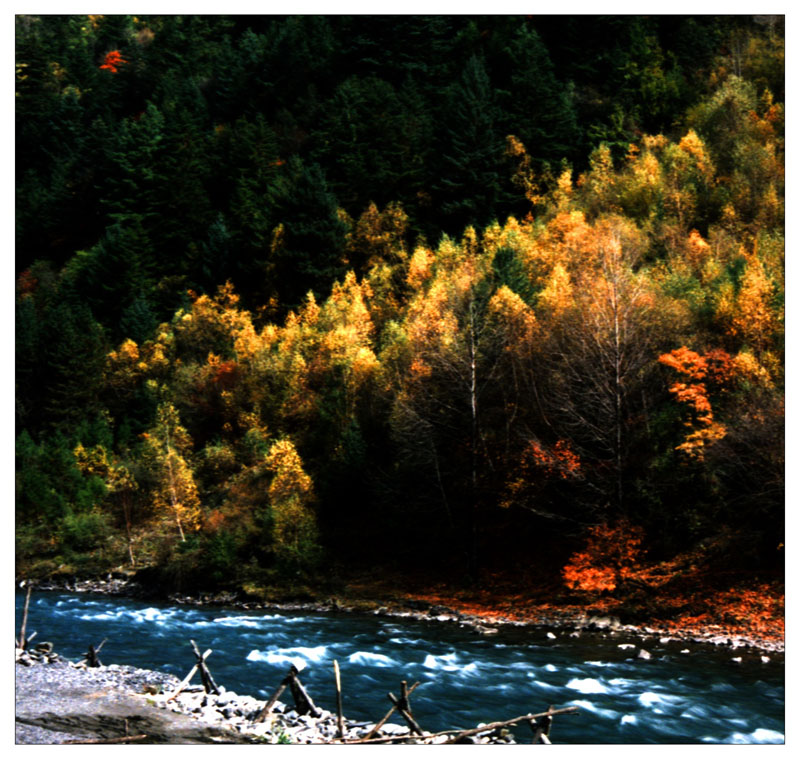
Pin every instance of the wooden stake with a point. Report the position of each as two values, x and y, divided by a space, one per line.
405 715
22 641
205 673
188 677
302 701
262 715
91 657
339 715
388 714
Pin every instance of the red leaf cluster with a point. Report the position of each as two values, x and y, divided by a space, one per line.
611 554
112 61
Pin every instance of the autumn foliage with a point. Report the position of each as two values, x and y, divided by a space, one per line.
712 370
112 61
611 556
279 298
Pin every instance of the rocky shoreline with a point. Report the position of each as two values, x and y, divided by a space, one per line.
59 701
572 624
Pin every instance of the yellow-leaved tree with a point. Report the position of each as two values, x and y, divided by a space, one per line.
291 498
174 492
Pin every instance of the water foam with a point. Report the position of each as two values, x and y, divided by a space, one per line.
446 662
590 707
299 656
367 658
251 622
760 735
654 700
587 685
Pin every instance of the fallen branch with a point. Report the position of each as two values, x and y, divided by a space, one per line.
472 731
506 723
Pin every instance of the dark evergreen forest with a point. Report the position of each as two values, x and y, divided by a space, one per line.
300 295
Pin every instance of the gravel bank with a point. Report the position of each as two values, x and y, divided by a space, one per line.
58 702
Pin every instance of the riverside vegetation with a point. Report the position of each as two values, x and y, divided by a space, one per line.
487 310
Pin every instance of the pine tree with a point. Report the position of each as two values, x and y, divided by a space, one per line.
469 187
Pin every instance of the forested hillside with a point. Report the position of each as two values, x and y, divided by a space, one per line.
297 295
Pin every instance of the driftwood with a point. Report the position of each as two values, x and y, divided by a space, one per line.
457 734
389 714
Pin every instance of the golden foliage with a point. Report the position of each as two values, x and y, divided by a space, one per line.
291 495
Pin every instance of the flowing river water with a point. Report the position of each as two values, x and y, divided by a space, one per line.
703 696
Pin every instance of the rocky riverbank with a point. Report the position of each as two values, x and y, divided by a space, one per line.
58 701
566 621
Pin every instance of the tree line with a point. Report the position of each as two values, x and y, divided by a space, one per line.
294 290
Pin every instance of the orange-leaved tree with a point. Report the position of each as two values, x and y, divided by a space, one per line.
714 368
609 558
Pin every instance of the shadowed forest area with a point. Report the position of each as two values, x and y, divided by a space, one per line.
495 302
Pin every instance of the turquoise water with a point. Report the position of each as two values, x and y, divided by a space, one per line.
700 697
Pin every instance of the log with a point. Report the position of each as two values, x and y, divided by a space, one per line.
339 714
388 714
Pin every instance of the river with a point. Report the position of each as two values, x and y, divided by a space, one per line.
703 696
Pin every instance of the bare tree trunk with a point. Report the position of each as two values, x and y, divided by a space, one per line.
473 397
126 510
